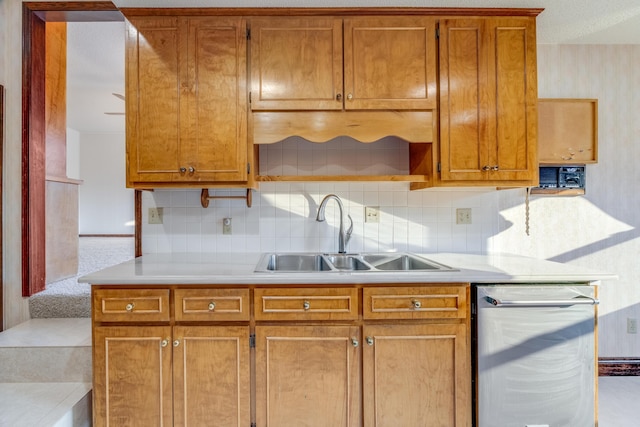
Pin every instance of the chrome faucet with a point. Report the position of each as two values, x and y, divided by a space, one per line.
343 236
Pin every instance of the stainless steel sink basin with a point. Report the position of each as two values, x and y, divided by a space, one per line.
368 262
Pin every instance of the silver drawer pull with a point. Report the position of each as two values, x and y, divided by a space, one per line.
212 306
176 343
354 342
164 343
369 340
416 304
306 305
130 306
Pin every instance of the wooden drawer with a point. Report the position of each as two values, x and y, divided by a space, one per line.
428 302
306 304
212 305
131 305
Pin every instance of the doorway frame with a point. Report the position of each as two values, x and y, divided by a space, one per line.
34 17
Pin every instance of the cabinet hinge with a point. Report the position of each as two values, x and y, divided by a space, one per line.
437 32
252 341
248 167
439 167
248 33
249 97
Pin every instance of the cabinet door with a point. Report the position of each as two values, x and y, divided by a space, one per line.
214 141
211 376
156 91
132 376
416 375
296 63
390 63
308 376
488 87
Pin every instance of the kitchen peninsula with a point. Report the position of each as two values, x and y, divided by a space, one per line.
180 339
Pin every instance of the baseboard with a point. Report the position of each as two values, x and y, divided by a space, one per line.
618 366
105 235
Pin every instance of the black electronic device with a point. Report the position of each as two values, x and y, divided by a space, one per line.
562 177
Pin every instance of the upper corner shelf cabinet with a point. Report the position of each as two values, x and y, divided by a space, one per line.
488 97
186 101
350 63
568 131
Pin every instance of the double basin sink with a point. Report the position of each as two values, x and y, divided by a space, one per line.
361 263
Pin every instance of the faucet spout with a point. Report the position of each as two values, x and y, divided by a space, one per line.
343 235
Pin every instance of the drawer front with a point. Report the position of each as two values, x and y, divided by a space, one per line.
131 305
306 304
428 302
212 305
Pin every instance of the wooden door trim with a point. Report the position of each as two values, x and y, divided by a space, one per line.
34 17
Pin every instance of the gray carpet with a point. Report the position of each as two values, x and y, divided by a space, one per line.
68 298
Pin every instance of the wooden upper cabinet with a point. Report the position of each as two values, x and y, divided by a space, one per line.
389 63
296 63
186 100
488 97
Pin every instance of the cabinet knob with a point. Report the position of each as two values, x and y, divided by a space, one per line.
495 168
212 306
354 342
338 97
369 340
164 343
176 343
349 97
416 304
192 169
130 306
306 305
183 170
486 168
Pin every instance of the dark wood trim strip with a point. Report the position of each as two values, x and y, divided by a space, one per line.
1 184
340 11
33 153
138 220
618 366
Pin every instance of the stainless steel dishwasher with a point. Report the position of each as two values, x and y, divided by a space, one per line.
534 355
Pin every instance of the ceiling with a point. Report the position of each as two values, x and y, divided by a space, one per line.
95 57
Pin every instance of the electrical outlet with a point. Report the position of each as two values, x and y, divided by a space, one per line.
226 226
155 216
632 325
371 214
463 216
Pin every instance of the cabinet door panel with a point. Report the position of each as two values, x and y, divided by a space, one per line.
132 376
296 63
307 376
462 103
390 63
211 376
514 69
156 51
216 143
416 375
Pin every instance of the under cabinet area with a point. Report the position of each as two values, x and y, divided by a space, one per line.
339 355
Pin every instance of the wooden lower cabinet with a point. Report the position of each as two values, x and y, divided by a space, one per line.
332 356
308 376
171 376
416 375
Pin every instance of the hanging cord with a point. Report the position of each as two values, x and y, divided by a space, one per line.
526 211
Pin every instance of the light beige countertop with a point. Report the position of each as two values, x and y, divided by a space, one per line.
238 269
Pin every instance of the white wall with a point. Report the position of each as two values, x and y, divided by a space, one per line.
73 154
106 206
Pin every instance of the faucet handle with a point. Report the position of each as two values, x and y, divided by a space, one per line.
349 230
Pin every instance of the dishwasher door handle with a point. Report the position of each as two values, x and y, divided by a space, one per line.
581 300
